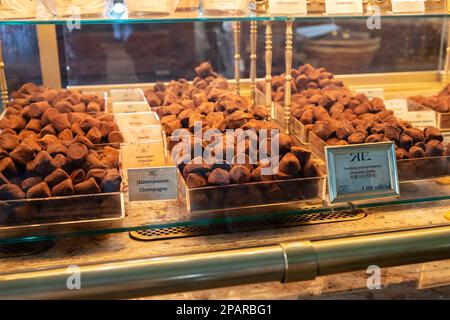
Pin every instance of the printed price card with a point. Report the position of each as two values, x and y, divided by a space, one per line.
141 155
420 119
130 107
343 6
125 120
127 95
405 6
399 106
362 171
288 7
142 134
372 92
158 183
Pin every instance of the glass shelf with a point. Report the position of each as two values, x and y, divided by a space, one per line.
183 17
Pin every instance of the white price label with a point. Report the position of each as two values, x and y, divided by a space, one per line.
142 134
288 7
372 92
343 6
127 95
147 184
143 155
420 119
224 4
399 106
359 172
138 119
148 6
130 107
408 6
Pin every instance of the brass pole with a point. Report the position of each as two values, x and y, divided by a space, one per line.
447 55
284 262
288 76
3 84
237 55
268 78
253 46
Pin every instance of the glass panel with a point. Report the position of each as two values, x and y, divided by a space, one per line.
20 55
135 55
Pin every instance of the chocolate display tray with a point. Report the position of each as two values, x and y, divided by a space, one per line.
408 169
239 196
61 214
442 119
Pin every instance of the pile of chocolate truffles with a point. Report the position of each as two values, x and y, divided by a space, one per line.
234 180
207 100
439 103
50 150
338 117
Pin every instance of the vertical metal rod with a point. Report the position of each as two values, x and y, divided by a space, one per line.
268 78
253 46
237 55
288 76
3 84
447 55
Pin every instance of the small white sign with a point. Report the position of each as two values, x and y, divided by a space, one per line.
420 119
372 92
399 106
343 6
224 4
142 134
147 184
288 7
361 171
127 95
143 155
138 119
130 107
408 6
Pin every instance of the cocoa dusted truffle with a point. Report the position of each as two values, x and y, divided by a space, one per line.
40 190
239 174
95 135
9 142
405 141
77 152
219 177
56 177
356 138
111 181
7 167
87 187
434 148
43 163
416 152
64 188
302 154
432 133
77 176
401 154
290 164
97 174
115 137
23 153
195 180
30 182
311 169
11 192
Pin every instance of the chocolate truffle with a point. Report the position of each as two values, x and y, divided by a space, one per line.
40 190
64 188
23 153
239 174
9 142
416 152
434 148
30 182
89 186
311 169
77 176
95 135
56 177
195 180
77 152
302 154
219 177
11 192
432 133
290 164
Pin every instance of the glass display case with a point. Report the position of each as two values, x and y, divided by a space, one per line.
186 120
